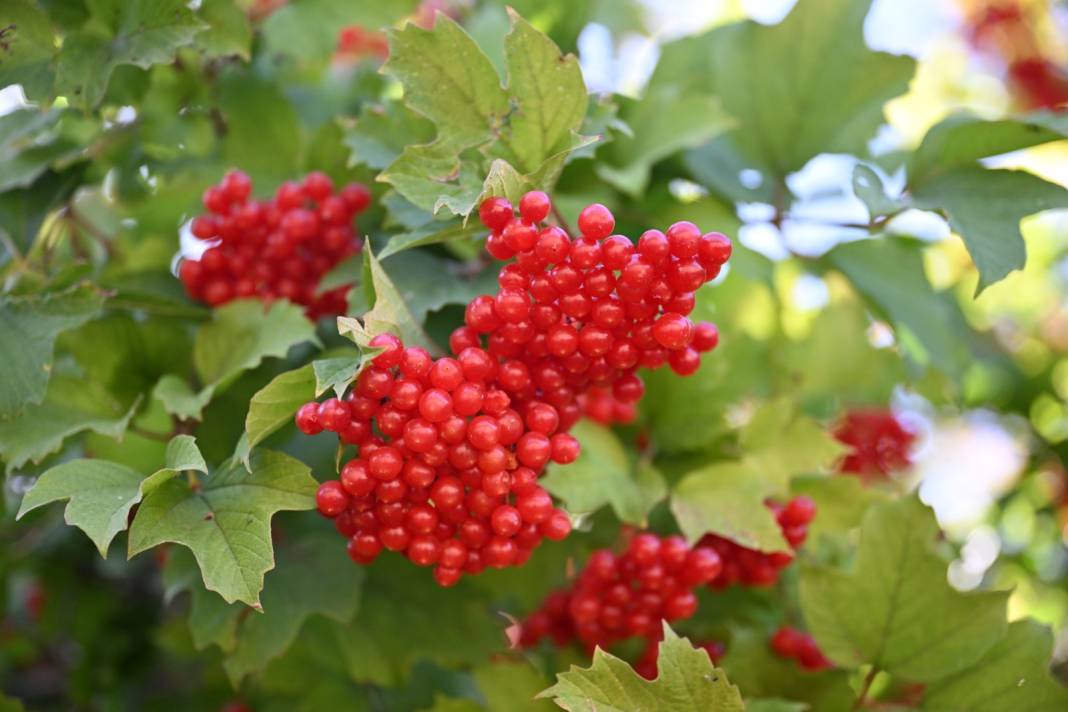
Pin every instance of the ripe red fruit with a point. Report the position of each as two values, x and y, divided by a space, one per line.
495 213
673 331
596 222
705 336
451 449
534 206
565 449
331 499
308 419
276 248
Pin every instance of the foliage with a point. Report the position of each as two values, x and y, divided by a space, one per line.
131 412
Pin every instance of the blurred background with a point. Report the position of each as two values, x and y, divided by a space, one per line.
990 419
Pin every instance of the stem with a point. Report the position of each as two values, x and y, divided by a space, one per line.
562 223
86 227
150 434
865 688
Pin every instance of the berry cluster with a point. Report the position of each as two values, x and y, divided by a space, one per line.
572 314
357 42
1010 31
274 249
749 567
450 450
627 595
447 468
646 665
800 646
879 443
601 405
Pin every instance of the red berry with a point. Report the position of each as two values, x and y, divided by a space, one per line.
596 222
308 419
331 499
705 336
673 331
495 213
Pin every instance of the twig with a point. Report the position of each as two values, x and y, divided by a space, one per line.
84 226
865 688
150 434
561 222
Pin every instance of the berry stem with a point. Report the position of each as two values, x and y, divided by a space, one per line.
561 221
865 688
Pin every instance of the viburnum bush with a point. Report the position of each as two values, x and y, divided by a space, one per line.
439 371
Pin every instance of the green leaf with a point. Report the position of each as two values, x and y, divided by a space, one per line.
663 122
760 673
72 406
1013 675
28 50
28 330
400 621
291 595
810 83
101 493
23 212
548 92
243 333
962 140
448 79
31 140
432 234
182 453
868 186
727 499
504 683
178 398
895 609
779 443
226 522
503 180
389 307
135 32
840 502
258 114
604 474
428 283
336 374
229 32
985 208
274 405
434 176
687 681
382 131
889 273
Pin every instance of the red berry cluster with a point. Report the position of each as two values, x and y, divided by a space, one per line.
879 443
622 596
447 469
1011 30
601 405
800 646
450 450
355 42
646 666
572 314
749 567
274 249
